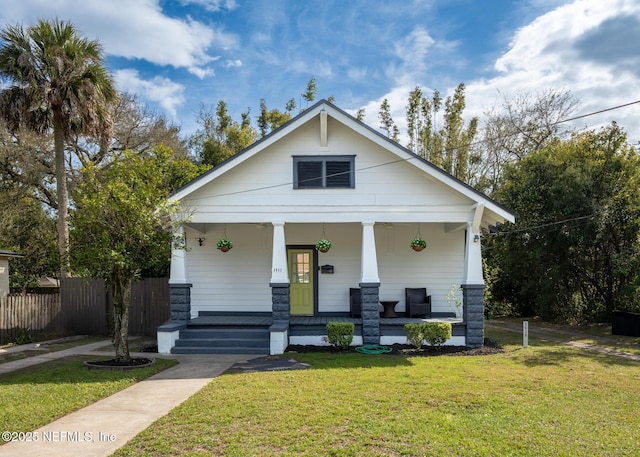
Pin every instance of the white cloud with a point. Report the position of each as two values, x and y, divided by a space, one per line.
357 74
163 91
551 52
212 5
412 51
233 63
134 29
548 54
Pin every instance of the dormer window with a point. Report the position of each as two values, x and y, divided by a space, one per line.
316 172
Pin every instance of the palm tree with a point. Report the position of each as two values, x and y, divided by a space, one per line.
57 82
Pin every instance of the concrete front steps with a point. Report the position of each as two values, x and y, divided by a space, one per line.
223 340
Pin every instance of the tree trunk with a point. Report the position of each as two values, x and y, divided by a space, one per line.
121 290
61 193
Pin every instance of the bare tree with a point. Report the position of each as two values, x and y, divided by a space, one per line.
524 123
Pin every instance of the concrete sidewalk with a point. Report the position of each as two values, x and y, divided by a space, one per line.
103 427
8 367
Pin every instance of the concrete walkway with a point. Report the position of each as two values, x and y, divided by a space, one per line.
103 427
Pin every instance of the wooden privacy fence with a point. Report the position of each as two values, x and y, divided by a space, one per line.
84 307
28 312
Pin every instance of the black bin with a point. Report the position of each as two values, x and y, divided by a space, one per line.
625 323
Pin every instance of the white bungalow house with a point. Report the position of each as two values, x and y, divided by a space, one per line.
327 175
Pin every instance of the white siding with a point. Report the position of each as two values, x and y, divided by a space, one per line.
438 267
385 189
239 280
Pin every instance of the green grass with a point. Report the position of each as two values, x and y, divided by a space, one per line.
547 400
37 395
592 334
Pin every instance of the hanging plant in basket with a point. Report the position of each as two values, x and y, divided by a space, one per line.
323 245
224 245
418 244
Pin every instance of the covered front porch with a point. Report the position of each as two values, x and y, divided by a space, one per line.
251 287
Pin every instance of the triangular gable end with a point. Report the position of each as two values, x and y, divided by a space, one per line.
493 213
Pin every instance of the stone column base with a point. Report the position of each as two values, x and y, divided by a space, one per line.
281 307
180 300
370 313
473 313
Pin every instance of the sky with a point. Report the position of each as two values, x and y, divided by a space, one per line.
178 56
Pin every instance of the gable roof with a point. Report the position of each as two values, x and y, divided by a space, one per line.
363 129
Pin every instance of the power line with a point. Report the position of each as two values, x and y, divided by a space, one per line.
596 112
548 224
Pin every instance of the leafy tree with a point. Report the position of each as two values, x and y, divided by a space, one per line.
573 253
270 120
58 83
309 95
120 224
26 228
450 146
290 106
386 120
27 163
220 136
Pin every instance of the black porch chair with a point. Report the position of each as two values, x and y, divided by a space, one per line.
355 302
418 303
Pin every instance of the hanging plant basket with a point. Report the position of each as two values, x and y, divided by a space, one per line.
418 244
224 245
323 245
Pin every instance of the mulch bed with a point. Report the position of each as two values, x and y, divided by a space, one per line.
490 347
113 364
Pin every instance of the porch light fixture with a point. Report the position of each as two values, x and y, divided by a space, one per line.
201 241
476 238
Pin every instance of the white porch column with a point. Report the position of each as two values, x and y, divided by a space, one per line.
178 273
473 258
473 283
370 287
279 268
473 252
280 294
369 259
179 295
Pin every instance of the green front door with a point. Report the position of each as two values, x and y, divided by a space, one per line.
301 276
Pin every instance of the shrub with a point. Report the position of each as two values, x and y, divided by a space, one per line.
340 334
434 333
23 337
437 333
415 334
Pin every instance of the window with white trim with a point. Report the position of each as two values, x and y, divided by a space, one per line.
317 172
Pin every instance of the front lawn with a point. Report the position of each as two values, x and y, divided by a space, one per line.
37 395
547 400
